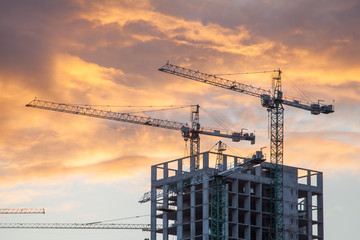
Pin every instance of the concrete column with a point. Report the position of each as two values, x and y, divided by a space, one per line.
164 213
206 210
166 170
153 204
226 230
192 163
225 162
153 213
258 170
308 177
179 217
180 165
259 221
235 185
247 213
235 161
320 215
320 180
153 173
309 214
192 212
206 160
165 203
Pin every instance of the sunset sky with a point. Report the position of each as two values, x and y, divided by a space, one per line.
107 52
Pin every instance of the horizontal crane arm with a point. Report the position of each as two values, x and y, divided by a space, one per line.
213 80
264 95
77 226
90 112
22 211
235 136
125 117
314 108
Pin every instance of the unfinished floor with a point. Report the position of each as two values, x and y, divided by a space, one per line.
185 208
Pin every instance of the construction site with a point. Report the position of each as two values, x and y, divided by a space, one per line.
233 200
212 195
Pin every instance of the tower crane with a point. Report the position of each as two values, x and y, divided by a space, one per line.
273 101
22 211
188 132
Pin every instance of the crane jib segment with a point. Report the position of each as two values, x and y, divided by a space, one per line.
148 121
77 226
265 95
214 80
314 108
22 211
123 117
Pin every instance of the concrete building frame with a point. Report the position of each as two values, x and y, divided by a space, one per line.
184 206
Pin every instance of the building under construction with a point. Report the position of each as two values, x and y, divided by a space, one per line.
231 199
215 196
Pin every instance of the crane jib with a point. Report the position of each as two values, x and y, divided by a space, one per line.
265 95
213 80
129 118
123 117
78 226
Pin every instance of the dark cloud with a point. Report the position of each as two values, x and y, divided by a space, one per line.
297 24
30 39
27 55
142 27
36 33
108 52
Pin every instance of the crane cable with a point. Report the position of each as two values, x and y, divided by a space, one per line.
240 73
163 108
216 120
227 148
126 106
118 219
158 110
304 94
186 149
232 150
213 146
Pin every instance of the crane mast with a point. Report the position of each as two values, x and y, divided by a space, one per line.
276 162
195 137
273 102
219 158
188 132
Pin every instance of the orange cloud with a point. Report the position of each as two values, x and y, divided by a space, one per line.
323 152
43 143
178 30
109 57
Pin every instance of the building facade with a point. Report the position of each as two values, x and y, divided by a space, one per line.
231 200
